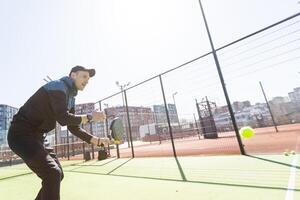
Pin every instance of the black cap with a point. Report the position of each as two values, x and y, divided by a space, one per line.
77 68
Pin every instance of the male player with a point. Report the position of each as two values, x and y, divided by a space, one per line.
55 101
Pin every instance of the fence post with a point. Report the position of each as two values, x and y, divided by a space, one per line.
91 130
242 150
104 124
269 108
83 146
168 117
73 151
129 125
196 124
68 146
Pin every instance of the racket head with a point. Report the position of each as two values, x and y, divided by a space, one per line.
117 129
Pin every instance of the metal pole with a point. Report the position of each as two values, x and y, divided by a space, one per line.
211 120
83 146
273 120
73 151
64 147
68 147
208 107
173 95
100 108
106 121
200 118
122 87
122 91
242 150
168 117
91 130
129 126
196 124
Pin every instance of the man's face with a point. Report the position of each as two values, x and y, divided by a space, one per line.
81 79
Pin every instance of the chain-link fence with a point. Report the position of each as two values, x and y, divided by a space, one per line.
185 111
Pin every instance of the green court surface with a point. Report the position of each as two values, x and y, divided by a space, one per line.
215 177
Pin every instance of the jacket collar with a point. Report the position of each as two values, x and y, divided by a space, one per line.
70 84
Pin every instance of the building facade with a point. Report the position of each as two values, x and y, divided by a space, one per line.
160 115
256 115
295 95
6 114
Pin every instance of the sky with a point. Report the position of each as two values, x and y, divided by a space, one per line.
133 40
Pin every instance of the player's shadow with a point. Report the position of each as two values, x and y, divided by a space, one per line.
274 161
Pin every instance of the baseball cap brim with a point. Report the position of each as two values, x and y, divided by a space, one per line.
91 72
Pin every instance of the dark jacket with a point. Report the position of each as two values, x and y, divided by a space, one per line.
53 102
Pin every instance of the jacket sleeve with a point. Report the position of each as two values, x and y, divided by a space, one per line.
59 106
79 132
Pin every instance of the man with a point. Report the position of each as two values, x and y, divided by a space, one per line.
55 101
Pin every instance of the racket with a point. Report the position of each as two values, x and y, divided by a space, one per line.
117 130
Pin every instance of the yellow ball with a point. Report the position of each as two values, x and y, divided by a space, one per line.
246 132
